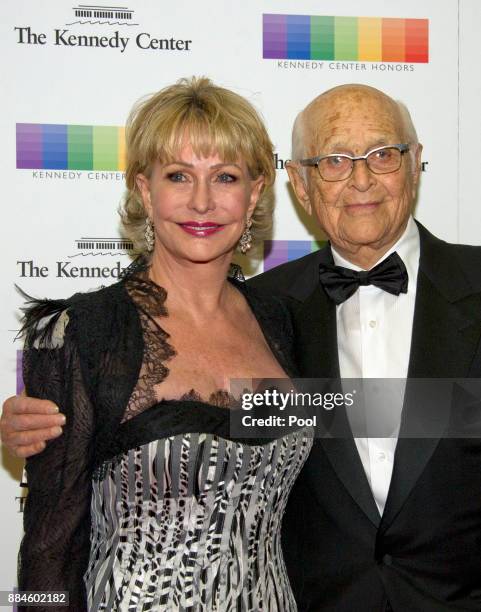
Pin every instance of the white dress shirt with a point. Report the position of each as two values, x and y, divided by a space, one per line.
374 341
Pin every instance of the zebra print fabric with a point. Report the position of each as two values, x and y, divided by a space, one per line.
192 523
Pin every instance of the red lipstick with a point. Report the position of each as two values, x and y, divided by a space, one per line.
201 229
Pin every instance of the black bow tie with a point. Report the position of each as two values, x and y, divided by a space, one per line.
340 283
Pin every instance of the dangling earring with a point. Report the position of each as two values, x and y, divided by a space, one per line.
149 235
245 241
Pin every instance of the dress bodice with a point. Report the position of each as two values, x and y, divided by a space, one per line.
192 522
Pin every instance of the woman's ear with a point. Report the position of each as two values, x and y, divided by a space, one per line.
256 191
143 185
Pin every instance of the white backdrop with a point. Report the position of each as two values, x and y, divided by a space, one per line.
50 77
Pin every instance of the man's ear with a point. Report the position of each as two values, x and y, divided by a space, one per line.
417 168
298 182
143 185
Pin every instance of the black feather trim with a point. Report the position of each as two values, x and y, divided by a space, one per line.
34 311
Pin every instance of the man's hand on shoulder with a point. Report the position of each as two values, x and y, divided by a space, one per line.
27 423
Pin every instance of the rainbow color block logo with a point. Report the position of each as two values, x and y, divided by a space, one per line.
277 252
20 386
363 39
70 147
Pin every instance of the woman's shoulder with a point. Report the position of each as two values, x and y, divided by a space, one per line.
46 322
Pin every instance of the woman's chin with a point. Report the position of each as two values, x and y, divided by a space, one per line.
203 254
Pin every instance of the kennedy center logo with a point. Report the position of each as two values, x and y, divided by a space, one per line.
277 252
360 39
110 15
91 26
70 147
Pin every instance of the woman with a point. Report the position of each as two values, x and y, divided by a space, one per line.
146 496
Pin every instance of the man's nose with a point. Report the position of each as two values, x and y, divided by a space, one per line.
361 178
202 197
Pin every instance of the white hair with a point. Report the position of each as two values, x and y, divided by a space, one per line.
298 137
299 142
409 130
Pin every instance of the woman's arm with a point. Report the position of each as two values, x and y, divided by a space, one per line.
55 549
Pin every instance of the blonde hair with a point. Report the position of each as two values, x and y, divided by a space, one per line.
215 120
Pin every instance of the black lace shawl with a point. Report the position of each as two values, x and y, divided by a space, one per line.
88 355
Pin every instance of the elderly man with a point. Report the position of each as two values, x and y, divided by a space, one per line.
373 524
379 524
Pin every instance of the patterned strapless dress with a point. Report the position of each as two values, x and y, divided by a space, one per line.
191 522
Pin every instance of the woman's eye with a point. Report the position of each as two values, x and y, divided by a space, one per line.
225 177
176 177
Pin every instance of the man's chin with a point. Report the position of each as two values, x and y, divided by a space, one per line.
364 230
368 238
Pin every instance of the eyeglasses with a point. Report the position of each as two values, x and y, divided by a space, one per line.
339 166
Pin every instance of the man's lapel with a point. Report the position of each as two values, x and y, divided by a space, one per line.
344 459
446 333
314 320
315 331
316 336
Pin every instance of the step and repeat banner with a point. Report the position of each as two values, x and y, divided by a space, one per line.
71 73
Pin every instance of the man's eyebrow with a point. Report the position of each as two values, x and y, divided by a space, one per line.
339 147
380 142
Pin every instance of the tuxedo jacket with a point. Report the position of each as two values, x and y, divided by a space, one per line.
424 553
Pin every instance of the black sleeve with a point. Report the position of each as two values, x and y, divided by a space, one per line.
55 549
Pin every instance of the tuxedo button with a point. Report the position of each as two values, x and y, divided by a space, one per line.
386 559
372 324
